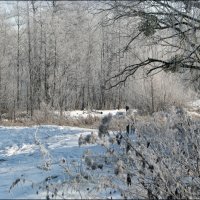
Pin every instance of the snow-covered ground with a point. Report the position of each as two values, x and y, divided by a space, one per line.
195 103
21 158
93 113
25 150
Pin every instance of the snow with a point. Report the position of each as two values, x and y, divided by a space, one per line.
25 154
14 150
195 103
20 157
93 113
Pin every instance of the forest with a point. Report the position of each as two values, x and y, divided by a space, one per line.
72 55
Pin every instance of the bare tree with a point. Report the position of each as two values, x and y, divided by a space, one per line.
172 26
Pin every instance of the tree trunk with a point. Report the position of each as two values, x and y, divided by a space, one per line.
29 62
152 97
18 55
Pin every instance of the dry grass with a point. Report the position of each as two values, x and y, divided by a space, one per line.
47 118
44 118
16 123
40 118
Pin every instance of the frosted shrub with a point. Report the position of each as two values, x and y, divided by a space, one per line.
103 128
169 148
167 155
162 158
88 139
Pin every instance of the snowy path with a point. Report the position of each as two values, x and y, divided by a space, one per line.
20 156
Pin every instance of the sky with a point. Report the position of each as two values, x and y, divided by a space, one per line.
6 4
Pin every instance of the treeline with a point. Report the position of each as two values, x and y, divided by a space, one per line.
61 54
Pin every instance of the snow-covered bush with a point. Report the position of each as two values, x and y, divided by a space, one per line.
161 159
88 139
103 128
166 155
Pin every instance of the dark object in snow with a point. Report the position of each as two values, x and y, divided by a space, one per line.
127 129
177 193
98 112
50 178
100 166
94 166
86 177
128 147
128 180
151 167
148 143
158 160
106 161
88 189
2 160
118 138
169 197
143 164
150 195
47 197
127 108
14 183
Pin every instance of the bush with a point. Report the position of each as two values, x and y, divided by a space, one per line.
162 157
